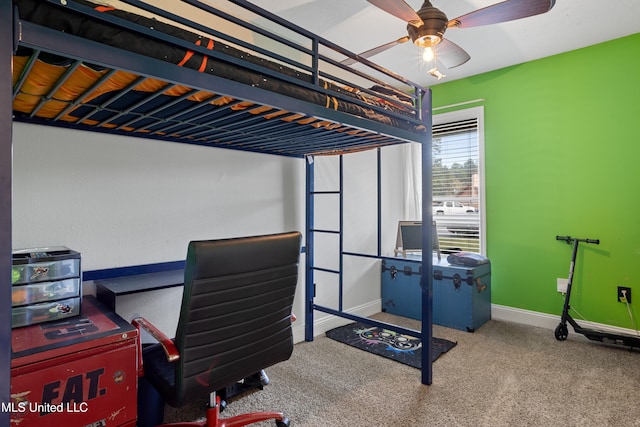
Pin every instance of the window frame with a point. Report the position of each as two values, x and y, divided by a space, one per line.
467 114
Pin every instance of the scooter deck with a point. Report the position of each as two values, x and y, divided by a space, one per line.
626 340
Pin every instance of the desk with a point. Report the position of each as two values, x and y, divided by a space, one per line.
75 372
154 296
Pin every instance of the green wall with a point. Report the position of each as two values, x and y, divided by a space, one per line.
562 156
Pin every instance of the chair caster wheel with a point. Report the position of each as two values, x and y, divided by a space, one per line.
264 378
283 423
561 332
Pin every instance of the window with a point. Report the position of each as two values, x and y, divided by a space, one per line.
458 180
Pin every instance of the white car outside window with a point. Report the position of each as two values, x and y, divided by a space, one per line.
451 207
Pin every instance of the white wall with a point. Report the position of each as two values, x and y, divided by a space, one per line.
124 201
127 201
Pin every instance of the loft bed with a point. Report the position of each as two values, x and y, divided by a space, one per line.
238 78
65 90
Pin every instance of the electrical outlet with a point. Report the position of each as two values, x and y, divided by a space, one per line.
562 285
624 296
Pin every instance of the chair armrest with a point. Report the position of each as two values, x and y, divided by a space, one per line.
169 347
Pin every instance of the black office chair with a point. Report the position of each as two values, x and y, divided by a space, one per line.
234 321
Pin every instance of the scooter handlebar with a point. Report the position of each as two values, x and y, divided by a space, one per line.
570 239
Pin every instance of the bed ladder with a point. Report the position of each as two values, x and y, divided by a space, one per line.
311 231
311 268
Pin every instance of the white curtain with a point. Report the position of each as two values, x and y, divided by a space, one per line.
412 188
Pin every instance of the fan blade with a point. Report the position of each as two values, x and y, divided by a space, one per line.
508 10
376 50
450 54
399 9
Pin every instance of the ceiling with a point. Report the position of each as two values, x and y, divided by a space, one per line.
358 26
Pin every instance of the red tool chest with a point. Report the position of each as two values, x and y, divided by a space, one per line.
79 371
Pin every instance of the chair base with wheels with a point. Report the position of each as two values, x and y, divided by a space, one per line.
215 406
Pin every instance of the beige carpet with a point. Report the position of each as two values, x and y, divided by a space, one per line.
504 374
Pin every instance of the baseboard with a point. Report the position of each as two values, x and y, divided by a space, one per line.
548 321
526 317
327 321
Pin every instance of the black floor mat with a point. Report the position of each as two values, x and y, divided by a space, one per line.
389 344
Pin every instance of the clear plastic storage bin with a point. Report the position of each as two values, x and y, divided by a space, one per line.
44 312
45 291
46 285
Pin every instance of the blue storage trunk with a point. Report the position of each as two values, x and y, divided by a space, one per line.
461 295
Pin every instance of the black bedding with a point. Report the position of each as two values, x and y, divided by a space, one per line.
391 107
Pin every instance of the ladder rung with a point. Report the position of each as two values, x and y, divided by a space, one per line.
326 270
314 230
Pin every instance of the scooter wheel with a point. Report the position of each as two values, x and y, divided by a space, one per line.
562 332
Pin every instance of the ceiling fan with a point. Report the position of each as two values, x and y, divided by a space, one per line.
427 25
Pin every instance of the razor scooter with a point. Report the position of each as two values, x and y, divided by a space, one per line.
562 332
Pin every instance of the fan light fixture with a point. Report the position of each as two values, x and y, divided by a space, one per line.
430 32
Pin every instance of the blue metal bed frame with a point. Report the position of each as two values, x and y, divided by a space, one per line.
14 32
6 118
